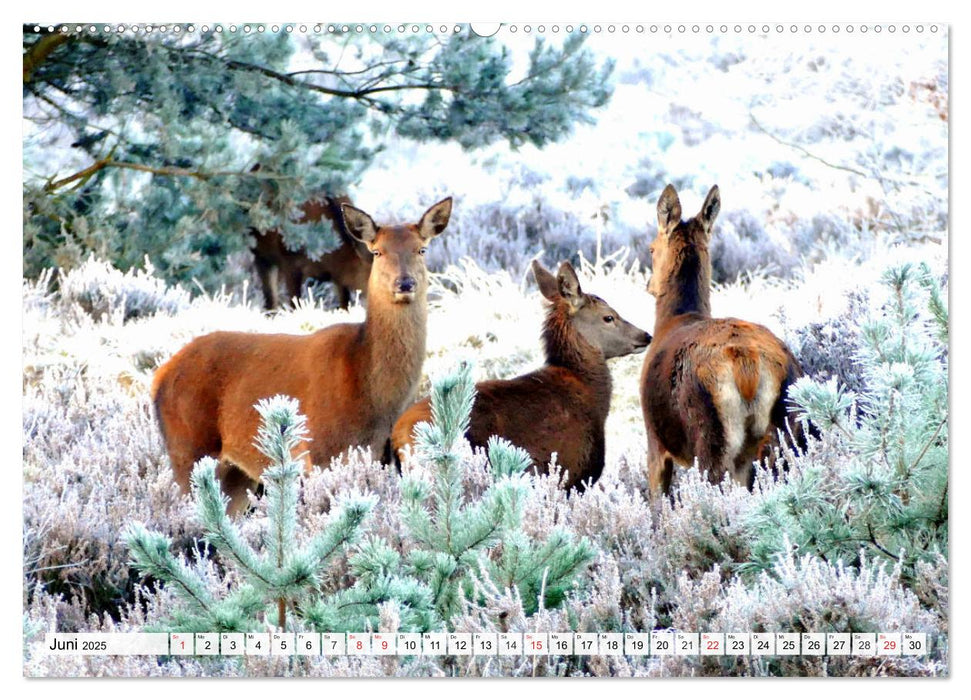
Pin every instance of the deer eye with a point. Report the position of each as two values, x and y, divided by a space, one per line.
422 251
608 319
375 252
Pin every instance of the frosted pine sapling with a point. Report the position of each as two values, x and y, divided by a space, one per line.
458 538
285 575
878 479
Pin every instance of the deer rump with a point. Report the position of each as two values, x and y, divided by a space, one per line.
716 391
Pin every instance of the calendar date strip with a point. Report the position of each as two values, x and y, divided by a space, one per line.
657 643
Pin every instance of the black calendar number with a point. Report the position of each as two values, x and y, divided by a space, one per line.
788 645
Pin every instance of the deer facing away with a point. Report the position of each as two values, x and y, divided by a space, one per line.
711 388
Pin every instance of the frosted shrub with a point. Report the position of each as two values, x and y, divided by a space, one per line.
830 348
101 291
886 448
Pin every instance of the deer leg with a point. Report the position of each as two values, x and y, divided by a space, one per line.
293 280
268 275
235 483
343 296
713 460
660 468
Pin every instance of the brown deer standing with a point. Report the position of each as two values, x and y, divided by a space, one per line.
352 380
561 407
348 266
711 388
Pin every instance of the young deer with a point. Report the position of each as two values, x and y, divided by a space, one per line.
711 388
348 266
352 380
561 407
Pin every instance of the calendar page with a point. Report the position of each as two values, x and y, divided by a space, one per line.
448 349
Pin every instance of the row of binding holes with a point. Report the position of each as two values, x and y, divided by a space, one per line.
512 28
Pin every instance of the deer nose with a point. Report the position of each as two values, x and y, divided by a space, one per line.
405 285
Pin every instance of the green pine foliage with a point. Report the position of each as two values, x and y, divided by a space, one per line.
166 130
878 482
283 576
459 537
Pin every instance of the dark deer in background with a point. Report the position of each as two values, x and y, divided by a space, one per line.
561 407
352 380
711 388
348 266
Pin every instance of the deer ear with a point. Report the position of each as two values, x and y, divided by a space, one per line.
710 209
569 284
668 210
434 221
358 224
546 281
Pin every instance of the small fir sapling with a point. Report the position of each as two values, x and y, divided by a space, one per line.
459 538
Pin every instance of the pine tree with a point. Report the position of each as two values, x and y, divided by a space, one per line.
879 478
285 575
458 538
166 128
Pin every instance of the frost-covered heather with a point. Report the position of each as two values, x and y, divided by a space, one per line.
818 144
94 462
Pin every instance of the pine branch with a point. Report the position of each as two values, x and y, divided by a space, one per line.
40 51
160 170
928 444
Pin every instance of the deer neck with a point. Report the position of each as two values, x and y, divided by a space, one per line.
566 348
393 339
687 290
